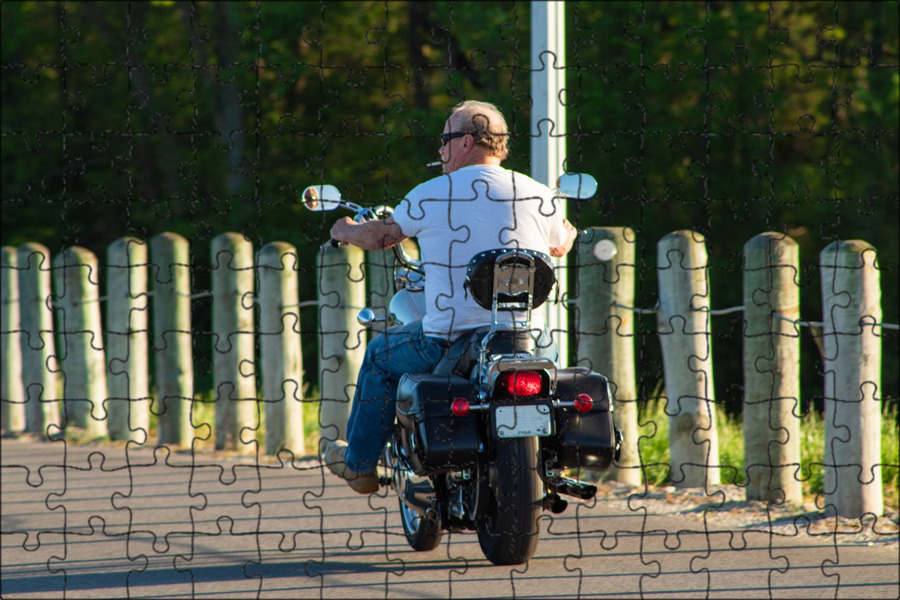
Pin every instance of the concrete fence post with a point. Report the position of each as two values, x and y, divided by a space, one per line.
683 323
380 267
12 416
279 334
771 412
342 341
173 338
851 302
127 319
605 330
40 367
76 274
234 347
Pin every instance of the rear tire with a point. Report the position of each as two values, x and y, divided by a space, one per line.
508 531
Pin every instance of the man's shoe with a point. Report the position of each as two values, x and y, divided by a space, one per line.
363 483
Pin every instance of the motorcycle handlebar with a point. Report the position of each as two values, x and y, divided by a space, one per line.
363 214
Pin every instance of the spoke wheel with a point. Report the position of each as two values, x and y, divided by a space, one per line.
423 532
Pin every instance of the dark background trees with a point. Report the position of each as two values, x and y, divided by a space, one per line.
727 118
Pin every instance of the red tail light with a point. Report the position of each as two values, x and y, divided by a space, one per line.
521 383
459 407
583 403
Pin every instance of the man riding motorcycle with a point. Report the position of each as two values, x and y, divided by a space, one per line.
474 206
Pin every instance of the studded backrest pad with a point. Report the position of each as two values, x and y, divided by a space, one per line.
515 263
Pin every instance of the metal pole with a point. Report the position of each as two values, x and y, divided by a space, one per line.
548 128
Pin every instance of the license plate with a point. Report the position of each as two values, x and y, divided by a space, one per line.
523 420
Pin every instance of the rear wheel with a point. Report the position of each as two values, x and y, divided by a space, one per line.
508 530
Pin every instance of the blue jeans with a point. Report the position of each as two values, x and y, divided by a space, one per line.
403 349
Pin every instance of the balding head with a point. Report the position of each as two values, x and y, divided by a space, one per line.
486 124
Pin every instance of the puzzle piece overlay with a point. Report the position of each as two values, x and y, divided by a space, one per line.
190 355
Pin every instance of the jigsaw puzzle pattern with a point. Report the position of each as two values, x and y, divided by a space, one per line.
122 476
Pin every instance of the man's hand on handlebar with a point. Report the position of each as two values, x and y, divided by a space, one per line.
340 231
369 235
563 249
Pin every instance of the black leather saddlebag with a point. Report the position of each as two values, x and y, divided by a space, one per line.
586 440
435 440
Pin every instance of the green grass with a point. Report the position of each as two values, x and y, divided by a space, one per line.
731 448
653 441
812 455
654 444
654 449
204 419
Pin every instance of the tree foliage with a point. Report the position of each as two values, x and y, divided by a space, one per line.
729 118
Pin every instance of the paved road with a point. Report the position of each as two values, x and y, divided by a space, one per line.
157 524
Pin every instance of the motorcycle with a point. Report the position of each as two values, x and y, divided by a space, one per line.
485 441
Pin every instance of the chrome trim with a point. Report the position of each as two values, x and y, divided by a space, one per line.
491 372
406 279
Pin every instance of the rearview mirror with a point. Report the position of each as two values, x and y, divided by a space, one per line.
576 185
321 197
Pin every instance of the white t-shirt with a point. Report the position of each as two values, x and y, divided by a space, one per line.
456 216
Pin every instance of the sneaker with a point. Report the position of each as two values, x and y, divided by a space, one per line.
363 483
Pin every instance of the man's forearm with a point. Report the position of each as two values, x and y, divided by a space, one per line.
563 249
370 235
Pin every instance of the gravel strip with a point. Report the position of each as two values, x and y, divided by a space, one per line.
725 509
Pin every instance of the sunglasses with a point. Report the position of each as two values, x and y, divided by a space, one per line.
446 137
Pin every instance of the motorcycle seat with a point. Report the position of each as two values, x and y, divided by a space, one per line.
462 354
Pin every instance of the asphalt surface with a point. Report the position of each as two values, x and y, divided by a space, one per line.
90 522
